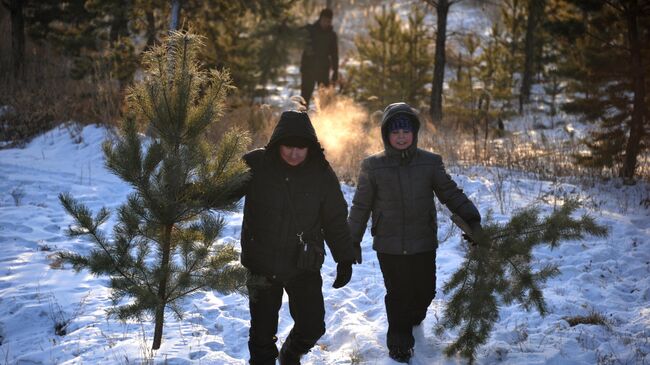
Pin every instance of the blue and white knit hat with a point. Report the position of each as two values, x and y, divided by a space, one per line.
400 121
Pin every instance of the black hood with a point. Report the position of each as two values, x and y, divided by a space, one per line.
293 124
296 124
391 111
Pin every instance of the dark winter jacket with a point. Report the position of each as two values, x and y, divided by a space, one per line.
320 53
269 242
397 189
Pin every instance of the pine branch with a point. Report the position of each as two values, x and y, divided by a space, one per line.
225 281
82 216
474 306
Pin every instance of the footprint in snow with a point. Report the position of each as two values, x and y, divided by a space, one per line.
6 226
215 346
52 228
374 313
197 355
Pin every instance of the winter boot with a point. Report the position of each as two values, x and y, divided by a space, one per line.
401 355
288 356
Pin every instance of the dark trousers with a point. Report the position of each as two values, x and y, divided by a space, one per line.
307 310
410 282
309 79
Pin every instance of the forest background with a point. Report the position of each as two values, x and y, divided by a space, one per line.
529 102
550 63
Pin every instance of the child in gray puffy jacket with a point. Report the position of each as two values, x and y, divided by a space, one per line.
397 188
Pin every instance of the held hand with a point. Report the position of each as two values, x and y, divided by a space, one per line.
356 247
343 274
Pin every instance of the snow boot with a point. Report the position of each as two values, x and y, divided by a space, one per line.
401 355
288 357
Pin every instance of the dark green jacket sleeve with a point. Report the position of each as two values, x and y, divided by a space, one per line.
252 159
452 196
362 203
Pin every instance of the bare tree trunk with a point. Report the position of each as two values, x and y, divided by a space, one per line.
329 4
17 36
151 28
535 13
162 288
442 9
175 15
638 79
119 24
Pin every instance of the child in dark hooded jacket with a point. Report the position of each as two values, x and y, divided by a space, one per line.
293 192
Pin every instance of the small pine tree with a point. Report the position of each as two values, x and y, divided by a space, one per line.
395 60
462 101
499 270
553 88
482 91
251 38
496 84
162 245
513 16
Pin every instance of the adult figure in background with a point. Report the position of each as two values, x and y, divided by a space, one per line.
293 195
397 187
319 56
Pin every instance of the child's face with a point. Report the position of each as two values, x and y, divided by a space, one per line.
400 139
294 156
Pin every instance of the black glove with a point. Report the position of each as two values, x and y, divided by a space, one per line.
356 247
478 236
343 274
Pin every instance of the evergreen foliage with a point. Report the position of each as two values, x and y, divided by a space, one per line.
66 25
462 100
513 17
104 38
251 38
162 248
481 95
95 34
395 61
500 271
606 63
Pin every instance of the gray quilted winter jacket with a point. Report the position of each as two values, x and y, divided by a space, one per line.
397 189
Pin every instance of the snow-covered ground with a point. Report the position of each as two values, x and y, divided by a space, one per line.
38 298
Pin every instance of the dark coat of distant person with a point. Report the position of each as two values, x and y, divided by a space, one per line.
319 56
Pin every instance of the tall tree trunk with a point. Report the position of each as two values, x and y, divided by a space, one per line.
535 13
119 24
329 4
442 9
175 15
162 288
17 36
637 74
151 28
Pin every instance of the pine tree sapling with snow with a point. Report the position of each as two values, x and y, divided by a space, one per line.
499 271
162 248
